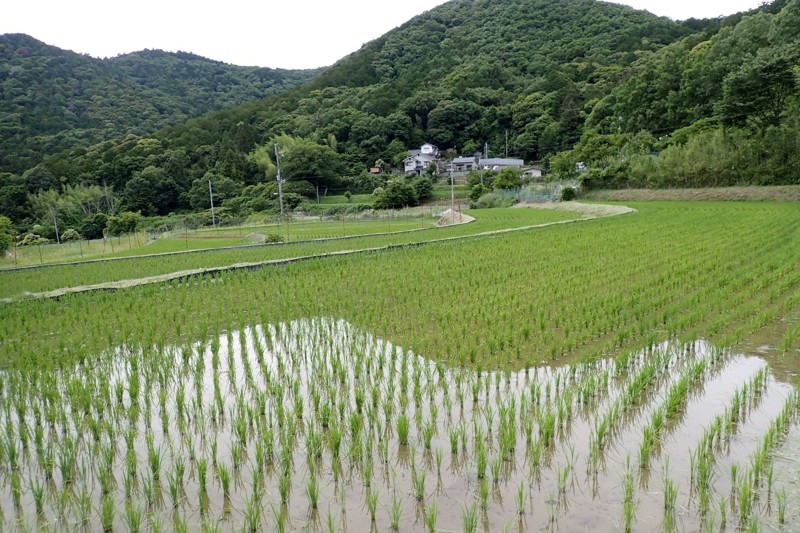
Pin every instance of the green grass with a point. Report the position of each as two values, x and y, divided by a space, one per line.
564 291
105 381
342 199
443 192
18 282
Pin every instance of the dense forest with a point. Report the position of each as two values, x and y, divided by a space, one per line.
52 100
595 91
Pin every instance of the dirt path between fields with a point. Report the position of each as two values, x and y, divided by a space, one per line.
588 212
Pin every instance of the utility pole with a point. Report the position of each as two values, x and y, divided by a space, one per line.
506 144
55 222
280 179
452 195
211 196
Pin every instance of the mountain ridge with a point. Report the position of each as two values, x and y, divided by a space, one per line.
55 99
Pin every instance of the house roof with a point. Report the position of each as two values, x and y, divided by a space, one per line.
502 162
463 160
421 157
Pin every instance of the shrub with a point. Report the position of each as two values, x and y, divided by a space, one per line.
397 193
70 235
32 239
125 222
478 190
92 227
567 194
272 237
5 234
493 200
423 187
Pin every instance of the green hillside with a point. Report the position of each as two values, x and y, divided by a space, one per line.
52 99
597 91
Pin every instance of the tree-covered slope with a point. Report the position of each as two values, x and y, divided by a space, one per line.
574 83
461 75
53 99
721 109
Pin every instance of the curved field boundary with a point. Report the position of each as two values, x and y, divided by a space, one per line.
590 212
221 248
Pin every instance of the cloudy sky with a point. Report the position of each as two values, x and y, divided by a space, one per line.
285 34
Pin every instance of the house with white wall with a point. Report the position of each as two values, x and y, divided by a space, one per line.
418 161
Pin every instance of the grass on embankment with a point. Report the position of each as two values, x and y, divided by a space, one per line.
776 193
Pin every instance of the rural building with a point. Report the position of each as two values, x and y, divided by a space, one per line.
499 163
418 161
465 164
533 172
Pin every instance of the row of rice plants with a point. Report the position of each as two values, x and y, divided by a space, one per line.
317 424
16 283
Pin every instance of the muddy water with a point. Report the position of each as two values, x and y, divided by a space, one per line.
277 385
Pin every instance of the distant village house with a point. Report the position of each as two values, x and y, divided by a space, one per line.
418 161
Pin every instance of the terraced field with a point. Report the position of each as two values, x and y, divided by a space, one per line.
632 373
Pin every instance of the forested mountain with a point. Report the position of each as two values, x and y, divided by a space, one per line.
708 110
574 83
53 99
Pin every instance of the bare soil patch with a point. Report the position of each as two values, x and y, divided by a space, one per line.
586 210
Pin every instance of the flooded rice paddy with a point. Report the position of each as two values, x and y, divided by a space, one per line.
316 425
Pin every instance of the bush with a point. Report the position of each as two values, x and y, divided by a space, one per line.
493 200
333 209
70 235
478 190
32 239
6 230
125 222
423 187
92 227
508 178
398 193
567 194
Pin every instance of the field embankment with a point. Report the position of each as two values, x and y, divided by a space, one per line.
787 193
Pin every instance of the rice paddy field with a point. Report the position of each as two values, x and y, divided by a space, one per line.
35 279
630 373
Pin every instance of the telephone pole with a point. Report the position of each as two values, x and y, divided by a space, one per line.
280 179
211 196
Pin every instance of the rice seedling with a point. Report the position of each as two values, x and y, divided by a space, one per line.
496 464
469 517
16 489
431 514
402 429
418 482
84 507
280 518
202 475
563 477
107 513
629 505
483 492
173 487
781 504
395 512
134 517
38 490
285 487
252 514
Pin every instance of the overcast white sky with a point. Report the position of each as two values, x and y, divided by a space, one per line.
271 33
